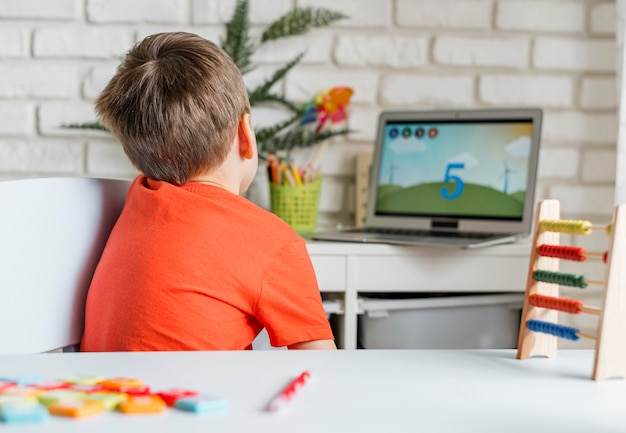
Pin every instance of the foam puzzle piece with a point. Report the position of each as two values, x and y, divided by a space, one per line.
138 404
170 396
27 411
60 396
202 404
82 379
110 400
76 408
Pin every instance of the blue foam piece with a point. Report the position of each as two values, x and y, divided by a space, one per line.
201 404
23 379
24 413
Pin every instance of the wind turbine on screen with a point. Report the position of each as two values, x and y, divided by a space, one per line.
505 174
392 169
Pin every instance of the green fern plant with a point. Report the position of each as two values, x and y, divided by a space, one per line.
240 46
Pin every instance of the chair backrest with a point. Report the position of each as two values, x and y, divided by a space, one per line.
52 233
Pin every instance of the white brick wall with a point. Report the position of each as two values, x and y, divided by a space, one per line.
374 13
88 43
560 55
537 90
541 15
584 201
42 157
577 127
13 43
316 46
488 52
559 163
575 55
218 11
417 90
444 14
38 80
598 166
105 158
95 80
52 116
395 52
39 9
124 11
17 118
599 93
603 18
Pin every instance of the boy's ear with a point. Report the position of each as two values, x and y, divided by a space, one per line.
247 139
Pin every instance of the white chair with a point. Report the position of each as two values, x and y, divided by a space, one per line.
52 232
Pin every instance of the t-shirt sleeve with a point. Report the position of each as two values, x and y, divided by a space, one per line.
290 305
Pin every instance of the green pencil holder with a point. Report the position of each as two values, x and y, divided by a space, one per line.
297 205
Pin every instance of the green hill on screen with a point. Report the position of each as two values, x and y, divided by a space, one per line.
475 200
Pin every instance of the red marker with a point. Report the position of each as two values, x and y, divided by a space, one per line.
287 394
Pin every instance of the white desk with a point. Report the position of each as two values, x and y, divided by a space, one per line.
352 269
355 391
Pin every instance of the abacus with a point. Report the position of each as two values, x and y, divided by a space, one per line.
539 327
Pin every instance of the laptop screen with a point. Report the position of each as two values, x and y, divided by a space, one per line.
473 165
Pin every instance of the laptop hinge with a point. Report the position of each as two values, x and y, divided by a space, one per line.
444 225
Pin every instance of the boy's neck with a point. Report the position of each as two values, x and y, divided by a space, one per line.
209 182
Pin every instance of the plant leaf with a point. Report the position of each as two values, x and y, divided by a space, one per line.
265 134
261 91
238 44
298 137
299 21
279 100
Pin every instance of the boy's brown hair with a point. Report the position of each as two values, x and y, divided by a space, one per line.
175 104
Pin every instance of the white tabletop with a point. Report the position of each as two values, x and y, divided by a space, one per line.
353 391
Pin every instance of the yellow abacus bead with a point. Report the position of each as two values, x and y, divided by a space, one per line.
566 226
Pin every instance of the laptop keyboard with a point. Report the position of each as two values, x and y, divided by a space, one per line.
428 233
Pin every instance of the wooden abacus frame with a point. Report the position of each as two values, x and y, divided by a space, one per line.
610 346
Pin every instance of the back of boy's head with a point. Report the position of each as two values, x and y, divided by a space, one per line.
175 104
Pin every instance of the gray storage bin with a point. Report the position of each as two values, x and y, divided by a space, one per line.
451 322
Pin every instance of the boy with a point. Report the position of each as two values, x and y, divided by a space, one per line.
190 264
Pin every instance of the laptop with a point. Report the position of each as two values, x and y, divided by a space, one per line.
451 178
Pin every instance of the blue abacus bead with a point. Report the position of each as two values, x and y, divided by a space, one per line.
555 329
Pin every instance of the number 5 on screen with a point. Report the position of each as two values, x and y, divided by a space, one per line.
458 182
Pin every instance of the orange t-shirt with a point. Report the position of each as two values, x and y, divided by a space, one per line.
196 267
